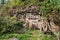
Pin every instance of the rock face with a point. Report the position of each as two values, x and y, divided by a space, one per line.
36 22
21 12
31 20
55 29
31 16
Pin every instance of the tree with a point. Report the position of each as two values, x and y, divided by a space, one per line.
2 1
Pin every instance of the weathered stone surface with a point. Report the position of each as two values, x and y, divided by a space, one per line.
36 21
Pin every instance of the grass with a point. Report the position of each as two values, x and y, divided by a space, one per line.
30 35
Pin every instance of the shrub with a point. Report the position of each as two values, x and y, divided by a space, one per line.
47 6
9 24
31 35
51 9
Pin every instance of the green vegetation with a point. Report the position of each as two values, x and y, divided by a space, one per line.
51 9
10 24
31 35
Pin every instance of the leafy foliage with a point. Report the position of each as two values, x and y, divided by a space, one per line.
48 8
51 9
30 35
9 24
49 5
